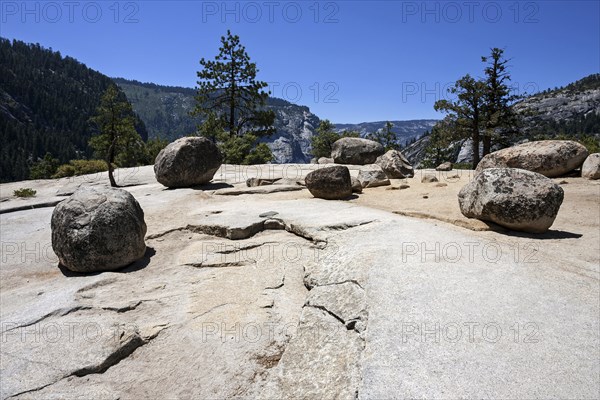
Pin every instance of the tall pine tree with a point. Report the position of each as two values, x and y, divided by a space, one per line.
116 135
232 101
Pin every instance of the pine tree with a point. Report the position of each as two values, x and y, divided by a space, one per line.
386 137
466 113
116 136
229 93
324 138
498 114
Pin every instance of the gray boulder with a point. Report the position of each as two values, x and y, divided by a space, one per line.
447 166
550 158
357 151
429 178
591 167
330 183
98 229
356 185
189 161
514 198
372 177
395 165
325 160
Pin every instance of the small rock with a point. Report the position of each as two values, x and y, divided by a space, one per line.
429 178
373 177
268 214
330 183
274 224
425 197
356 185
395 165
441 184
591 167
514 198
447 166
325 160
254 182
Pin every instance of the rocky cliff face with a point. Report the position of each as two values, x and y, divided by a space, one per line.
580 99
295 127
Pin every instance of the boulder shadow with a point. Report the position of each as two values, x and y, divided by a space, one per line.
548 235
206 187
134 266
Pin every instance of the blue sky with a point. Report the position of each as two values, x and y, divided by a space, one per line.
349 61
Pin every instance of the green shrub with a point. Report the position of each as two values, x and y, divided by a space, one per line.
80 167
24 192
462 166
44 168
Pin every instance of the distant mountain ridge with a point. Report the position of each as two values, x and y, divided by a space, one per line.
405 131
165 111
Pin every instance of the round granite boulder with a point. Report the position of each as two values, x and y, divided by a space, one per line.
98 229
591 167
550 158
357 151
514 198
330 183
189 161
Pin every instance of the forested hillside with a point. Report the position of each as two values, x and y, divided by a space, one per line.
46 101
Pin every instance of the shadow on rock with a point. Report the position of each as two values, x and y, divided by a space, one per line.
134 266
207 187
550 234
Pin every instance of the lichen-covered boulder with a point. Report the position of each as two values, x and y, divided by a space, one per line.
550 158
98 229
514 198
189 161
395 165
330 183
591 167
357 151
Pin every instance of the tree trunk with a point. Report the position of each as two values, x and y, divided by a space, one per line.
109 162
487 145
475 139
